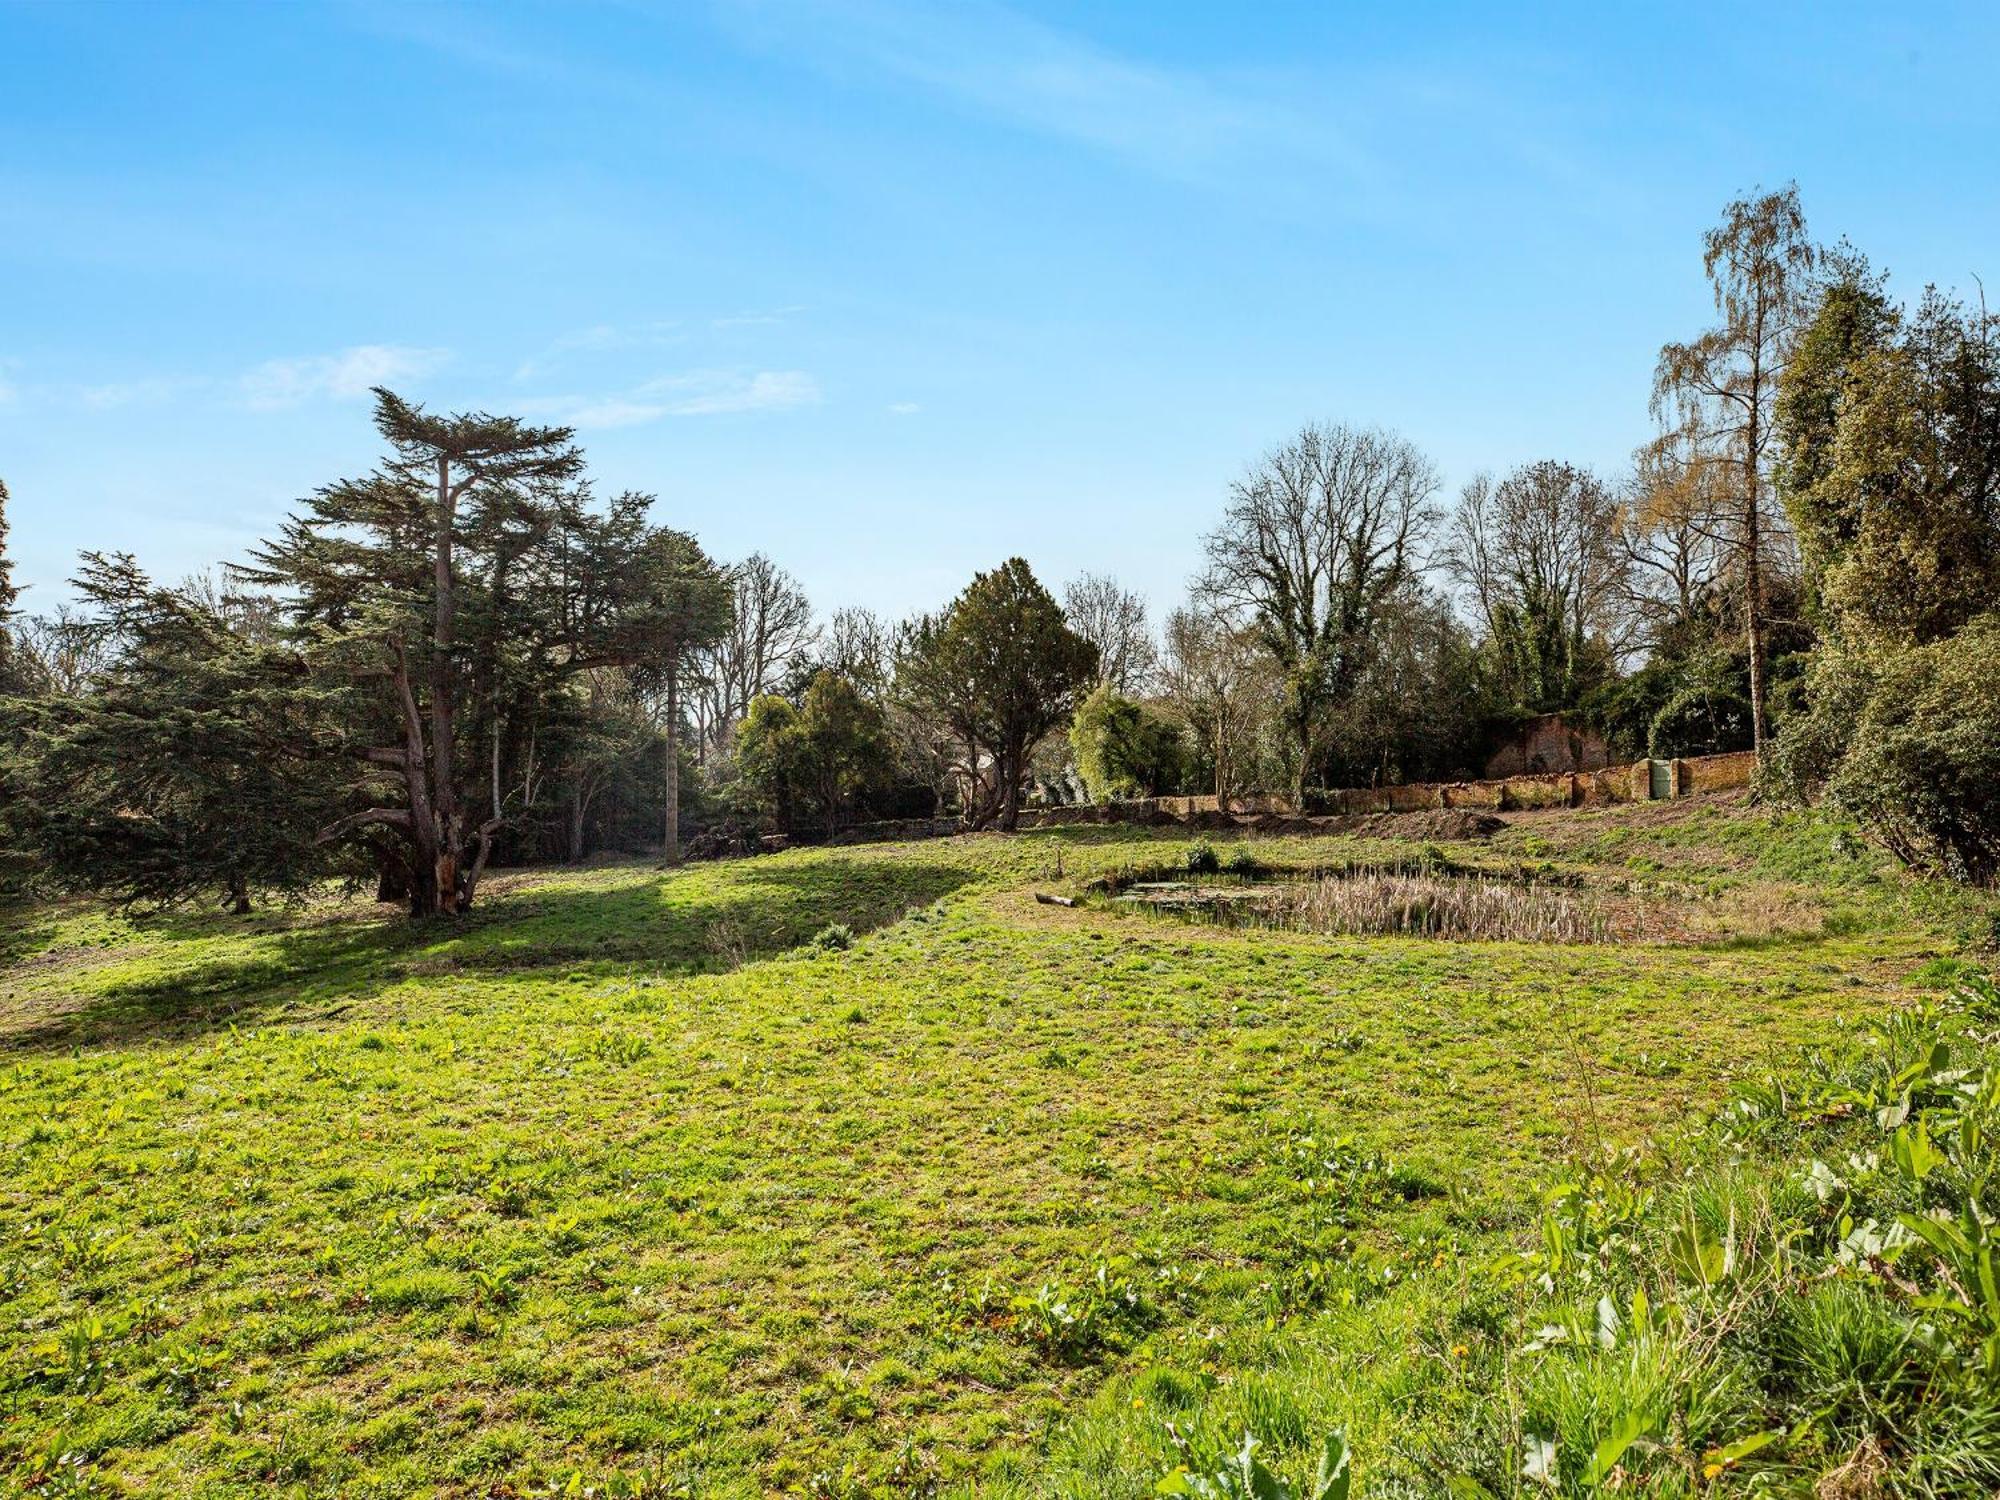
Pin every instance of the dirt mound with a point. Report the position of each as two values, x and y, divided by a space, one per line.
1458 823
1448 825
1217 822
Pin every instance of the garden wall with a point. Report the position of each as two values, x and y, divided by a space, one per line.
1714 773
1633 783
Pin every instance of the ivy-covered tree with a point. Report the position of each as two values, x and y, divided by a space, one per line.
998 670
1538 553
1891 429
1125 748
1319 539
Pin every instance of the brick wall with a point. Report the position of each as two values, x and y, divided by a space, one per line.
1715 773
1583 788
1548 745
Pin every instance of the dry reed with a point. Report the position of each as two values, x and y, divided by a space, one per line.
1435 906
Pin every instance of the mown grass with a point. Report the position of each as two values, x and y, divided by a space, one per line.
625 1185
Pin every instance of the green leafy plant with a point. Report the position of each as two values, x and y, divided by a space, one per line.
1243 1475
835 937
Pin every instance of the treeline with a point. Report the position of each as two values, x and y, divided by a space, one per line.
466 658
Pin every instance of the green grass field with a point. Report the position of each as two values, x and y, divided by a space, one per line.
626 1186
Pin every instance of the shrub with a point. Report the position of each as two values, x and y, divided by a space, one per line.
834 937
1698 720
1202 858
1921 767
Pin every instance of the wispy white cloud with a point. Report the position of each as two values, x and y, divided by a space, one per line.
148 390
775 317
598 338
904 408
767 390
344 376
702 393
993 60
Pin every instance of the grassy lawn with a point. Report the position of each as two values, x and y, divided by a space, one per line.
625 1178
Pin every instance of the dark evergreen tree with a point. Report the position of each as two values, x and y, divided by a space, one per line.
998 671
199 763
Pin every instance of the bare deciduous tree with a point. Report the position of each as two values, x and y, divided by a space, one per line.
1538 555
861 648
772 627
1113 619
1667 531
1221 685
1318 536
1720 389
58 655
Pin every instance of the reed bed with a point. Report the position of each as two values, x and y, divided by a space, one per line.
1437 906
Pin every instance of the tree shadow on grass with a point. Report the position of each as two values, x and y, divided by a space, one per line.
25 933
314 965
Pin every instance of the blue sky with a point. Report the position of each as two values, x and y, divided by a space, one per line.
892 291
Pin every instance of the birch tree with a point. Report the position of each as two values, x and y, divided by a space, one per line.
1719 391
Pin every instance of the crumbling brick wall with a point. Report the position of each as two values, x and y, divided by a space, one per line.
1548 745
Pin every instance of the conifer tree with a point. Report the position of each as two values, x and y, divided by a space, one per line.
198 764
381 571
1000 669
460 590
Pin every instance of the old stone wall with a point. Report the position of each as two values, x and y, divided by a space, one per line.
1582 788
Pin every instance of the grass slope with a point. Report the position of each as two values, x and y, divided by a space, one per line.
624 1186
